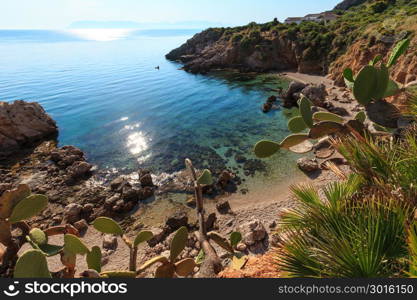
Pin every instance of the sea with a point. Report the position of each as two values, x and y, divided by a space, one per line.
114 95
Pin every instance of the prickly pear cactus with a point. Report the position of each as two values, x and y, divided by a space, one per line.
38 236
108 226
206 178
178 243
264 149
32 264
221 241
94 259
142 237
185 267
74 245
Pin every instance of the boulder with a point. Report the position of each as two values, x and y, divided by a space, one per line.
223 207
118 183
145 178
72 213
316 93
81 225
253 232
79 169
23 124
308 165
110 242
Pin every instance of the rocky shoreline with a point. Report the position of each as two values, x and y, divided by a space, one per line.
77 197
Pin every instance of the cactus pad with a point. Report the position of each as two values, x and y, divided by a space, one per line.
28 207
294 140
392 89
322 129
38 236
327 116
185 267
221 241
365 85
94 259
264 149
297 124
165 271
382 79
32 264
178 243
361 116
10 198
235 238
108 226
206 178
74 245
398 50
151 262
305 111
118 274
142 237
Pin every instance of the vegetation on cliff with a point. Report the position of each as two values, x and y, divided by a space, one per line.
309 47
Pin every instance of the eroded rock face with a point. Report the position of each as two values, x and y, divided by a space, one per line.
214 48
23 124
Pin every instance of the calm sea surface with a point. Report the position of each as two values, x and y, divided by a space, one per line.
102 88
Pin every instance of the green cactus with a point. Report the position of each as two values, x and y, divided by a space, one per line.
322 129
264 149
28 207
107 226
206 178
94 259
365 85
74 245
235 238
376 60
294 140
142 237
178 243
38 236
297 124
398 50
32 264
169 267
305 111
361 116
327 116
221 241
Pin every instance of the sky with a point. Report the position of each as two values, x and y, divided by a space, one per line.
59 14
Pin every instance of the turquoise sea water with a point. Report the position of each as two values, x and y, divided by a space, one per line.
102 88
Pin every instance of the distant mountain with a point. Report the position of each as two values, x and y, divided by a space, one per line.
138 25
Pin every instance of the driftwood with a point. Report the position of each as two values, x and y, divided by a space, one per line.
212 264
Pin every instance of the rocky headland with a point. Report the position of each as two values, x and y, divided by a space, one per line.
352 40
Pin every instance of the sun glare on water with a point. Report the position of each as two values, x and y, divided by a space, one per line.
101 35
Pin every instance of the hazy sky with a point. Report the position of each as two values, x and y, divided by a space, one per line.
58 14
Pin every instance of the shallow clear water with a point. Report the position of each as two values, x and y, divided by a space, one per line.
103 90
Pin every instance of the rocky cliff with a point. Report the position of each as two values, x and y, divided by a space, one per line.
363 29
247 49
